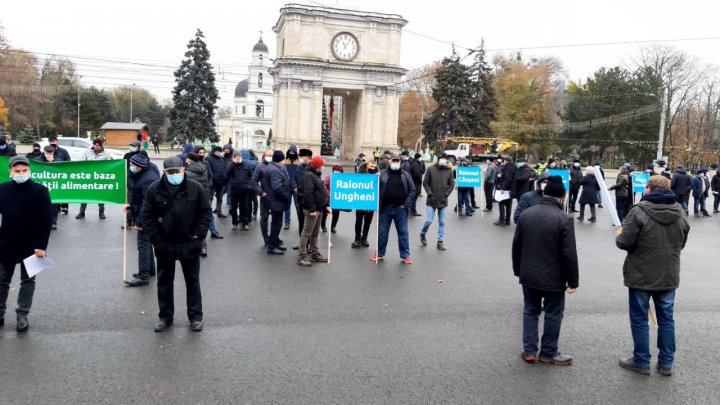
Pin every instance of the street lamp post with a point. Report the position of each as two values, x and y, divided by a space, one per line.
78 108
131 101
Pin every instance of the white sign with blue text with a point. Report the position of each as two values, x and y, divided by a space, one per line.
469 176
350 191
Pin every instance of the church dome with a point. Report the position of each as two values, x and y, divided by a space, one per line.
241 89
260 47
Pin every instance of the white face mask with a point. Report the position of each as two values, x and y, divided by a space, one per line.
336 172
576 164
268 159
394 166
21 178
542 186
552 164
442 162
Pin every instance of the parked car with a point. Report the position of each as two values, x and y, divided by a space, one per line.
76 147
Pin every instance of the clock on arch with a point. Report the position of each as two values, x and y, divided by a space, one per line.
345 46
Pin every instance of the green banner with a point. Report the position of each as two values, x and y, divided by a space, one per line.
92 181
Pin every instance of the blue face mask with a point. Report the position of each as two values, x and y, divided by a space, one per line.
133 170
2 147
175 179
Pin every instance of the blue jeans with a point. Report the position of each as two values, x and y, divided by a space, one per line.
464 197
639 304
429 216
699 205
554 306
288 211
400 216
213 229
682 202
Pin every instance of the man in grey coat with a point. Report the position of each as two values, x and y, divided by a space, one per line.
653 233
438 184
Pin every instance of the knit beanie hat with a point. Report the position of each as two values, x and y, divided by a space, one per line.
237 153
139 160
554 187
278 156
317 162
193 156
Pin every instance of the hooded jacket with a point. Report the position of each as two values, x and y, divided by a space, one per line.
680 182
438 183
522 180
506 180
700 186
198 171
654 232
622 185
239 176
217 167
26 220
544 254
276 184
314 197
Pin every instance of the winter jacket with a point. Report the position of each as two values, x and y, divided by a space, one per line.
26 220
576 176
654 233
522 180
384 163
527 200
314 196
176 217
217 166
416 173
198 171
187 148
680 182
33 155
438 183
543 251
506 178
276 184
90 154
405 165
490 174
622 185
408 186
700 186
590 188
715 184
292 169
257 182
140 184
239 176
8 150
62 155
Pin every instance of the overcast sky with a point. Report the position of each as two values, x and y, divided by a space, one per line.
153 34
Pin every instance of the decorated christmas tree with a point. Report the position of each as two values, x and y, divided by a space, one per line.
326 147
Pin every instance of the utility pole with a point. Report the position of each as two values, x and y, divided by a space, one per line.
661 137
78 108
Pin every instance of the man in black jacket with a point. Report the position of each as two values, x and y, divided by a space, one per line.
314 202
416 172
142 177
506 182
545 259
715 187
396 192
26 220
680 184
176 215
217 167
576 174
239 176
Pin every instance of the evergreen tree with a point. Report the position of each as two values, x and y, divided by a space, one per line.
326 148
485 104
194 96
27 135
454 95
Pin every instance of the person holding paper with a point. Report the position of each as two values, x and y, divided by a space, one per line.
506 182
26 222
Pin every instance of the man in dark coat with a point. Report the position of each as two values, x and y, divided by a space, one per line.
506 182
715 187
36 153
396 192
680 184
544 257
239 176
522 178
258 185
143 177
576 175
531 198
59 155
5 149
199 171
653 233
314 202
276 186
439 183
589 195
416 172
219 177
176 215
700 189
49 157
26 221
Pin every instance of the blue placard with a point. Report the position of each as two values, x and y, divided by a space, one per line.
351 191
640 181
564 173
469 176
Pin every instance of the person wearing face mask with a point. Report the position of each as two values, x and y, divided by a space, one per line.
576 175
589 195
522 178
314 204
489 184
142 177
219 181
464 205
416 172
292 165
396 193
36 153
239 176
5 149
305 156
59 155
531 198
258 184
506 182
96 152
49 157
438 184
26 213
335 213
176 215
363 218
135 148
700 188
198 171
622 192
228 158
276 186
546 275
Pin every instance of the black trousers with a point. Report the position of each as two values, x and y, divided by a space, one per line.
241 202
25 295
275 227
573 197
554 306
218 191
83 207
264 215
363 219
505 210
157 148
472 197
716 202
55 213
488 188
165 278
300 215
333 222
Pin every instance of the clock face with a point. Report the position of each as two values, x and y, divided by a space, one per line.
345 46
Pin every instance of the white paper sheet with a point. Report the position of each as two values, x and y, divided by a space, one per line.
34 265
502 195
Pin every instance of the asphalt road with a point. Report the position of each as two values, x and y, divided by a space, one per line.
446 329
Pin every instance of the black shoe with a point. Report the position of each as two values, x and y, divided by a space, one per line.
355 244
275 251
221 215
558 360
500 223
667 372
216 236
423 240
296 247
628 363
324 229
53 227
441 245
468 213
475 206
22 324
163 325
137 282
102 215
80 216
246 228
287 226
2 322
282 248
415 214
203 252
580 218
196 326
600 206
333 230
364 243
592 219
